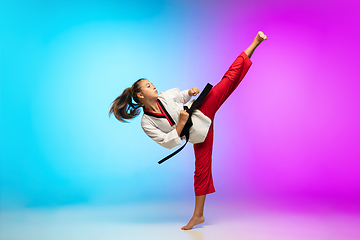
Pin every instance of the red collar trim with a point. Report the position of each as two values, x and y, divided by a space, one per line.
163 113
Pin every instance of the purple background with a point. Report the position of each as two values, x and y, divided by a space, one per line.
298 110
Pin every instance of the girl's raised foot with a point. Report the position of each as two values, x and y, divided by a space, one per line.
260 37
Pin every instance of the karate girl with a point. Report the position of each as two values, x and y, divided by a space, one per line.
164 119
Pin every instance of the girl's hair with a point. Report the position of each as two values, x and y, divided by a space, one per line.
123 106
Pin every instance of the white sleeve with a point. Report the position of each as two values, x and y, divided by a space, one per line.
180 97
168 140
183 96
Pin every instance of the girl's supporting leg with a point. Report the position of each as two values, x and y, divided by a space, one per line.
198 216
203 151
203 181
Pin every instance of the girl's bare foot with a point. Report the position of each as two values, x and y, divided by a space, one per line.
260 37
193 221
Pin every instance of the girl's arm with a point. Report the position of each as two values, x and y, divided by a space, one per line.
170 139
180 97
167 140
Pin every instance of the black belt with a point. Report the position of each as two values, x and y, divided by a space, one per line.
186 129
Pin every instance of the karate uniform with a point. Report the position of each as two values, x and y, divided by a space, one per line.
162 127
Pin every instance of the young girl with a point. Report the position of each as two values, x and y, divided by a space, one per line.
164 119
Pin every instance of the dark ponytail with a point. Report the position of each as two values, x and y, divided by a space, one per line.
123 106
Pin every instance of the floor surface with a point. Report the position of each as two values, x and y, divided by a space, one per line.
163 221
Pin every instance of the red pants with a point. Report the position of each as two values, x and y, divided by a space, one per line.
203 181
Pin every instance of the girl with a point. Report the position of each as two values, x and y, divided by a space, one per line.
164 119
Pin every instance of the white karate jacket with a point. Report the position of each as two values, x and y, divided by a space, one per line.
162 127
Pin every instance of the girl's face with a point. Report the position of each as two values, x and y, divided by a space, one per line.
148 90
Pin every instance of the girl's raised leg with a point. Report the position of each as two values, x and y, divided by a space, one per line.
222 90
213 102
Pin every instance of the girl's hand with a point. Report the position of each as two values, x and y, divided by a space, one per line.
193 91
184 115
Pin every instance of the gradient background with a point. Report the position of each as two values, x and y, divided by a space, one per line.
290 131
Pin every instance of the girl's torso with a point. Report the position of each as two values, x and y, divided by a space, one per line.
172 102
